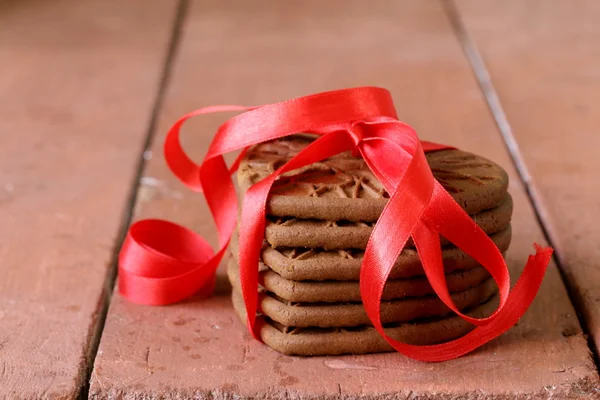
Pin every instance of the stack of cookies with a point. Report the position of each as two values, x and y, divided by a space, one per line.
319 221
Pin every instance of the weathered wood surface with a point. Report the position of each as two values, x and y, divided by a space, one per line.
77 86
544 60
252 53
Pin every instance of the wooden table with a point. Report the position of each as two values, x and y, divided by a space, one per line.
88 90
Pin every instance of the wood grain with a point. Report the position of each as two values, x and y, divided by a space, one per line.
77 86
546 71
237 52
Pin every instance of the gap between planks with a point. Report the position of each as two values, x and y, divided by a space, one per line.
495 106
174 40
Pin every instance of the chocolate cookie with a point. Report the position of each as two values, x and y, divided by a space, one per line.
353 314
363 339
343 188
294 232
299 264
338 291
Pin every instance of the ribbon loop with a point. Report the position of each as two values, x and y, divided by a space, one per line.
357 132
161 263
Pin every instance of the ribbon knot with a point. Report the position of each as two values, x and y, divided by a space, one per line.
161 263
358 131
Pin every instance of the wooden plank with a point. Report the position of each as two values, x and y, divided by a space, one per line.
77 86
237 52
546 70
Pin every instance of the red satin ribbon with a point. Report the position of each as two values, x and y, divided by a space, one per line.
162 263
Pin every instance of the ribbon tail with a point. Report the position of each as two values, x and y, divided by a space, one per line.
252 228
392 231
252 225
441 214
519 300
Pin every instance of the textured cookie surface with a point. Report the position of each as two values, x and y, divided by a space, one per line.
353 314
339 291
311 233
301 264
359 340
343 188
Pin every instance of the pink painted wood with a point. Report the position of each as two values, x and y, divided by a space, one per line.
77 85
252 53
544 58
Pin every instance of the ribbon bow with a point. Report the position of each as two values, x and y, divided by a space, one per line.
162 263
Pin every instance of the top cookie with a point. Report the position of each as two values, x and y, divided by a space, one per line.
343 188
